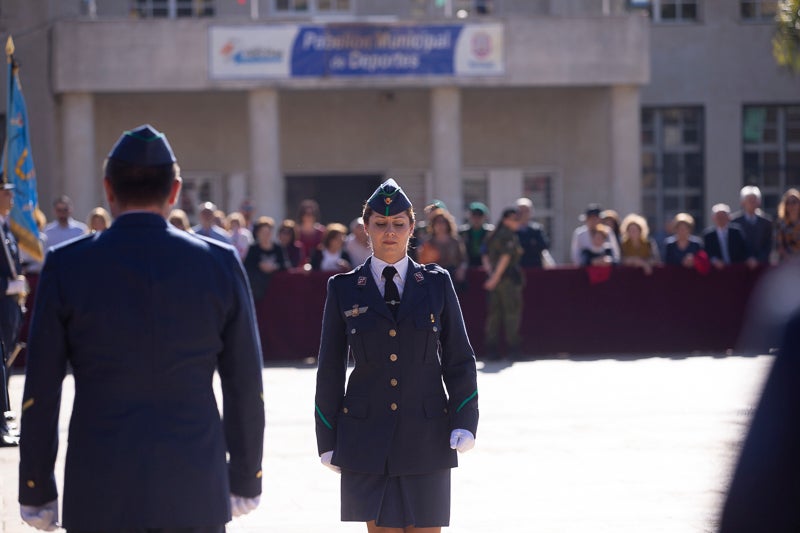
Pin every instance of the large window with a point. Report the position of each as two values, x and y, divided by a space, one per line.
172 8
758 10
771 150
673 167
674 10
312 6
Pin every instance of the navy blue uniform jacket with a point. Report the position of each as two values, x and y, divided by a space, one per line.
395 415
144 314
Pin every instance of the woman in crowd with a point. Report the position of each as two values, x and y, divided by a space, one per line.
788 225
98 220
263 258
611 219
412 398
287 240
637 248
331 256
241 237
309 230
179 219
682 247
442 245
599 252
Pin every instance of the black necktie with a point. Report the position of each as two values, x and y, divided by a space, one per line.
390 293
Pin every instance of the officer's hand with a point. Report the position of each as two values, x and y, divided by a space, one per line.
462 440
17 286
325 459
44 517
241 505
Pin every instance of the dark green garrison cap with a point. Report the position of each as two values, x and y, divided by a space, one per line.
389 199
144 146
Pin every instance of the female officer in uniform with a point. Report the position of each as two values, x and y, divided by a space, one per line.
394 430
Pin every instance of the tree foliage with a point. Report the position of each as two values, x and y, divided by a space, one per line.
786 43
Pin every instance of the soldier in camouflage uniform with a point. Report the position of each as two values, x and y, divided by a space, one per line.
505 283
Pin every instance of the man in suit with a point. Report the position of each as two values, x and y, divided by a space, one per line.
755 224
13 288
144 314
723 242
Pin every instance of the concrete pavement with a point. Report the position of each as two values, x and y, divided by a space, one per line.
564 445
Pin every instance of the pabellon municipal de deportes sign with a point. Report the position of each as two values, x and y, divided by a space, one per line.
355 50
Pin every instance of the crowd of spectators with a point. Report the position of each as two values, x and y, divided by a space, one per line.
748 236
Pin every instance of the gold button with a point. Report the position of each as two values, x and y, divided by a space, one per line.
31 484
393 406
259 474
393 382
345 410
393 357
392 333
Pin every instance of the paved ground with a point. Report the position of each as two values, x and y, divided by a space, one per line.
590 445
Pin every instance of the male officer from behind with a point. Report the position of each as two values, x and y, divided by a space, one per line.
144 314
12 293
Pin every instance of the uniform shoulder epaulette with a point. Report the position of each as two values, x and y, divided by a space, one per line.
75 241
433 267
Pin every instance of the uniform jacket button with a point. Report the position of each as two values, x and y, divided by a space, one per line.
393 406
393 357
345 410
392 333
393 382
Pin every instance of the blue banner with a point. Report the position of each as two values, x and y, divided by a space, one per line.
371 50
18 167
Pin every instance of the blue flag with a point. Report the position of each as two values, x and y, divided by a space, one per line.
18 164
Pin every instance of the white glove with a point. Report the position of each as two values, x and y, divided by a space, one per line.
44 517
462 440
241 505
17 286
325 459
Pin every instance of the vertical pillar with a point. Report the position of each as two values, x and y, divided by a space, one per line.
446 148
723 137
82 180
267 189
625 130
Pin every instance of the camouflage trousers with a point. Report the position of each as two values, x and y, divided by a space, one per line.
505 309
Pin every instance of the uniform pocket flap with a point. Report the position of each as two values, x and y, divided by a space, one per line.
435 406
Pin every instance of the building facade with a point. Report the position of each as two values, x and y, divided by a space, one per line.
653 110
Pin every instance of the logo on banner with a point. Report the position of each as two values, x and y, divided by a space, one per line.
232 51
481 45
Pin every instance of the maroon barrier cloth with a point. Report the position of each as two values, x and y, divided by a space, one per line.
673 310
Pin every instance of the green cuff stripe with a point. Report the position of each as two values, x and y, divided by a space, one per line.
465 402
322 417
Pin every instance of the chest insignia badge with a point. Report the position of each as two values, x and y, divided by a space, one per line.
355 311
419 277
362 281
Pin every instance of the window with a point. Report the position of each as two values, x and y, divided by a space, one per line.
313 6
771 150
674 10
172 8
758 10
673 165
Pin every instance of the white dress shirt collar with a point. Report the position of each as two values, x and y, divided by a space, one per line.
377 266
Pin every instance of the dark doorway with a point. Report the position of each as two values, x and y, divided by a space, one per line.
340 197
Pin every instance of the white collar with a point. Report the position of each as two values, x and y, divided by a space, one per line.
377 266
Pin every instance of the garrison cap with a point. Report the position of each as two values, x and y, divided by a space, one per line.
144 146
389 199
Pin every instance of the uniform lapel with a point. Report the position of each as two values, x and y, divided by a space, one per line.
365 283
414 291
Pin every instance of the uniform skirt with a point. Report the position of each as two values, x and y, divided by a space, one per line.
421 500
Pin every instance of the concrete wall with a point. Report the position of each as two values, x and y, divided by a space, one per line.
162 55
